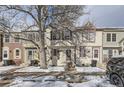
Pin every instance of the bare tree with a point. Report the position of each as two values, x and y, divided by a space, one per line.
38 17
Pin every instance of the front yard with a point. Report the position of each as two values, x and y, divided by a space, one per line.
53 77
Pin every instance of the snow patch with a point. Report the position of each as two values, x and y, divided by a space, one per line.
93 82
59 69
3 69
21 82
89 69
38 69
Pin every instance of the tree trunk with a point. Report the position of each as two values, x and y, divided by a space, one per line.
43 64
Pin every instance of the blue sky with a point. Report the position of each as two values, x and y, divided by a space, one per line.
105 16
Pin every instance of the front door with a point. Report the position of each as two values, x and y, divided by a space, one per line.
55 56
96 54
68 55
30 55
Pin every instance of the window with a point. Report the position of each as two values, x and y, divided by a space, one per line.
30 36
91 36
88 36
68 54
67 35
111 37
37 38
33 36
96 53
5 54
7 38
82 51
108 37
17 53
114 37
55 35
17 38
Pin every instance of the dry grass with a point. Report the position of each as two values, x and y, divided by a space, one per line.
101 65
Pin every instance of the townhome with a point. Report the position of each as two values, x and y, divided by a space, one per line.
30 39
113 42
81 46
12 50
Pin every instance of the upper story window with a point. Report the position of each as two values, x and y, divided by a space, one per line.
30 36
64 35
67 35
17 38
37 37
108 37
114 37
6 38
55 35
111 37
88 36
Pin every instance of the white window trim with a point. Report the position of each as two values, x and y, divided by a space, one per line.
17 57
111 37
9 38
6 49
15 41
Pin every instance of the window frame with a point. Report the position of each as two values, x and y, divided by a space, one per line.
15 52
114 38
5 49
111 37
67 35
108 38
8 38
54 35
16 38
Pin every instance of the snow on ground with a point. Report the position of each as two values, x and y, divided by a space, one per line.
89 69
59 69
51 81
38 69
3 69
44 81
94 81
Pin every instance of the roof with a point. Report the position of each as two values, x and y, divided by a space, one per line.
117 29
